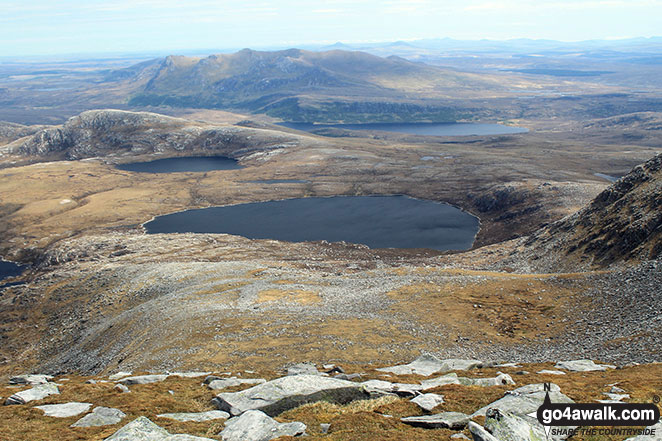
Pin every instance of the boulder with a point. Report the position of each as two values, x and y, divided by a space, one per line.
281 394
100 416
254 425
550 372
197 416
444 420
38 392
142 429
427 365
30 379
143 379
233 381
428 401
525 399
582 366
64 410
122 388
302 369
119 375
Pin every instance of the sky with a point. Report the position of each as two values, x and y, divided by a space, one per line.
52 27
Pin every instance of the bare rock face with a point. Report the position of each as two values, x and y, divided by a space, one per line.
281 394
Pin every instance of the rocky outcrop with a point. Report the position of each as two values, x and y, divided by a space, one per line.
100 133
623 222
583 366
525 399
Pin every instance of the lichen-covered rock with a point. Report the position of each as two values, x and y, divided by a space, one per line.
525 399
142 429
196 416
583 366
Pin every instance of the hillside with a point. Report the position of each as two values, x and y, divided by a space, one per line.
330 86
624 222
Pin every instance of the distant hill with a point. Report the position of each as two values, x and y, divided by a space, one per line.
298 85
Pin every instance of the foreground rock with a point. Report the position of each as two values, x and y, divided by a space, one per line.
197 416
444 420
302 369
479 433
64 410
38 392
525 399
508 426
142 429
254 425
427 365
285 393
583 366
100 416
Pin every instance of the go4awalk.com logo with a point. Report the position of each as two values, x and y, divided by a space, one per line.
567 419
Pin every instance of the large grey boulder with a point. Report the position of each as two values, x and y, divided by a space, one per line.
507 426
65 410
428 401
38 392
100 416
143 379
224 383
30 379
525 399
656 437
444 420
281 394
427 365
582 366
254 425
196 416
142 429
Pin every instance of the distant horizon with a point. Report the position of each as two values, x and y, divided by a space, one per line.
44 28
312 46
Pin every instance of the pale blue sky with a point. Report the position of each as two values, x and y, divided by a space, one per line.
49 27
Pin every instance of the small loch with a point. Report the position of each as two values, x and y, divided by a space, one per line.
375 221
182 164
